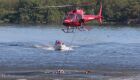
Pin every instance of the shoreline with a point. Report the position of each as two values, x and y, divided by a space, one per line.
52 25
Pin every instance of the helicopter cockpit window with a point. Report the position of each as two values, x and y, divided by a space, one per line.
75 16
71 16
79 17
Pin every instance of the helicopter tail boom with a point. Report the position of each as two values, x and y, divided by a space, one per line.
99 16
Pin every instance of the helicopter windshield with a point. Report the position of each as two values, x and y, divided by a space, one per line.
71 16
75 16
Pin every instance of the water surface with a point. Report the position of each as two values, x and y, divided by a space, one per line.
106 51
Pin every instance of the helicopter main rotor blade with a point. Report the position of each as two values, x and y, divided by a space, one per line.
62 6
71 5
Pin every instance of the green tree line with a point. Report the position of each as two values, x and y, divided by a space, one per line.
36 11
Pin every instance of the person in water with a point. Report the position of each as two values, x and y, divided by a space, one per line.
58 42
59 45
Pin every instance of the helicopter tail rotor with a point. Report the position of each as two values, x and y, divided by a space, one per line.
100 17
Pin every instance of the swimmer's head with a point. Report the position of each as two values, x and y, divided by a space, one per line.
58 42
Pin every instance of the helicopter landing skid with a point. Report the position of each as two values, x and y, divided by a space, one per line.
72 29
68 30
82 28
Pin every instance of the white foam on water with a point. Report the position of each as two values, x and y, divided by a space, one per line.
44 47
51 47
74 46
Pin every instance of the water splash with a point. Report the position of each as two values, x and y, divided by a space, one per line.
51 47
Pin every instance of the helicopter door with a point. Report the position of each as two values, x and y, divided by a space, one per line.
76 17
79 17
72 17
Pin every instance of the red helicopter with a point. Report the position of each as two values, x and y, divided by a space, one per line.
76 19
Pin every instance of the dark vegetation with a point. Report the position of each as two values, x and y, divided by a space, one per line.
35 11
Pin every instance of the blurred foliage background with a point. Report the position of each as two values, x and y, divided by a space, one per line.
37 12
